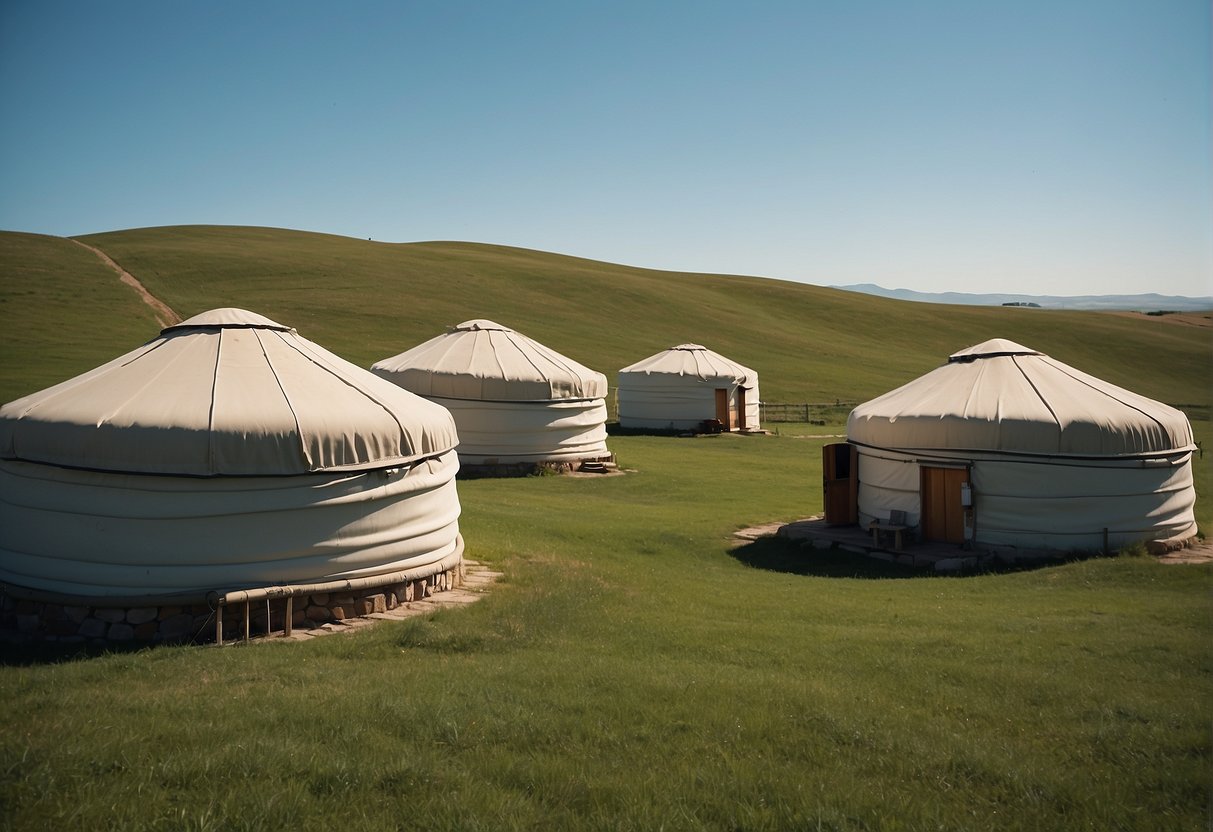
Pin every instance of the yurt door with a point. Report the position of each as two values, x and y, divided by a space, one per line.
942 511
740 423
722 408
841 483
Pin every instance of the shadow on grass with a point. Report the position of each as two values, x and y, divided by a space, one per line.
616 429
778 554
47 653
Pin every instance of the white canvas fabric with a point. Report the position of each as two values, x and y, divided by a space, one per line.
227 392
513 399
564 430
226 454
1003 396
98 534
676 389
1055 456
484 360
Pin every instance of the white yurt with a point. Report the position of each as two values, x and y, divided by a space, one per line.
1003 445
513 399
685 386
227 453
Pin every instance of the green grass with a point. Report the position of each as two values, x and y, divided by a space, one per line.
631 672
367 300
61 313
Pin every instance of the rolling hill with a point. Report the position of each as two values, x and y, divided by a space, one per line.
63 312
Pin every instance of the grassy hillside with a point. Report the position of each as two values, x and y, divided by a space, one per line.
368 300
61 313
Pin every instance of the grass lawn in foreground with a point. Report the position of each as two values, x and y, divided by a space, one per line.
632 672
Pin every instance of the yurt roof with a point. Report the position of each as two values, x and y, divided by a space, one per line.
483 360
1003 396
227 392
694 360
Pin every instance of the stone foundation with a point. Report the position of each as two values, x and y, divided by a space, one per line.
490 469
34 620
1163 547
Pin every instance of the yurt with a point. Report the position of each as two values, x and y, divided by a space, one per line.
688 387
1005 446
513 399
228 453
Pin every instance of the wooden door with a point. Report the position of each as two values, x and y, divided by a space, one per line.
942 512
722 408
840 480
741 422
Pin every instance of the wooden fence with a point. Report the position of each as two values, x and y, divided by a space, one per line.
804 411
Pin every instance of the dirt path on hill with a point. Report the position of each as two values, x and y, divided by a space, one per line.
164 314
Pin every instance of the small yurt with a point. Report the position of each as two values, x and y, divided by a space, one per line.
225 454
513 399
685 387
1005 446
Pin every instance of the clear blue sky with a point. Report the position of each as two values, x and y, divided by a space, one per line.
1055 147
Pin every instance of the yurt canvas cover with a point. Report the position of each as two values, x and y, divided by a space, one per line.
227 453
1044 455
513 399
684 386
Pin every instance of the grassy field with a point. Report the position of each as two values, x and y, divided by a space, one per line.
632 670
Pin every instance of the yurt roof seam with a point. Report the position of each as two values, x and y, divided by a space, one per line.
120 406
543 353
69 384
302 443
1062 368
1040 396
210 417
972 394
561 360
366 393
450 345
497 355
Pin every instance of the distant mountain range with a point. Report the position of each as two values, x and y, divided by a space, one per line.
1150 302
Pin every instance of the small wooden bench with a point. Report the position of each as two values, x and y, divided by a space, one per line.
877 528
895 524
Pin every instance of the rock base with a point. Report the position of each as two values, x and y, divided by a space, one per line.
25 620
488 470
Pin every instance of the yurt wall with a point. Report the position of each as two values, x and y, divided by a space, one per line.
685 386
